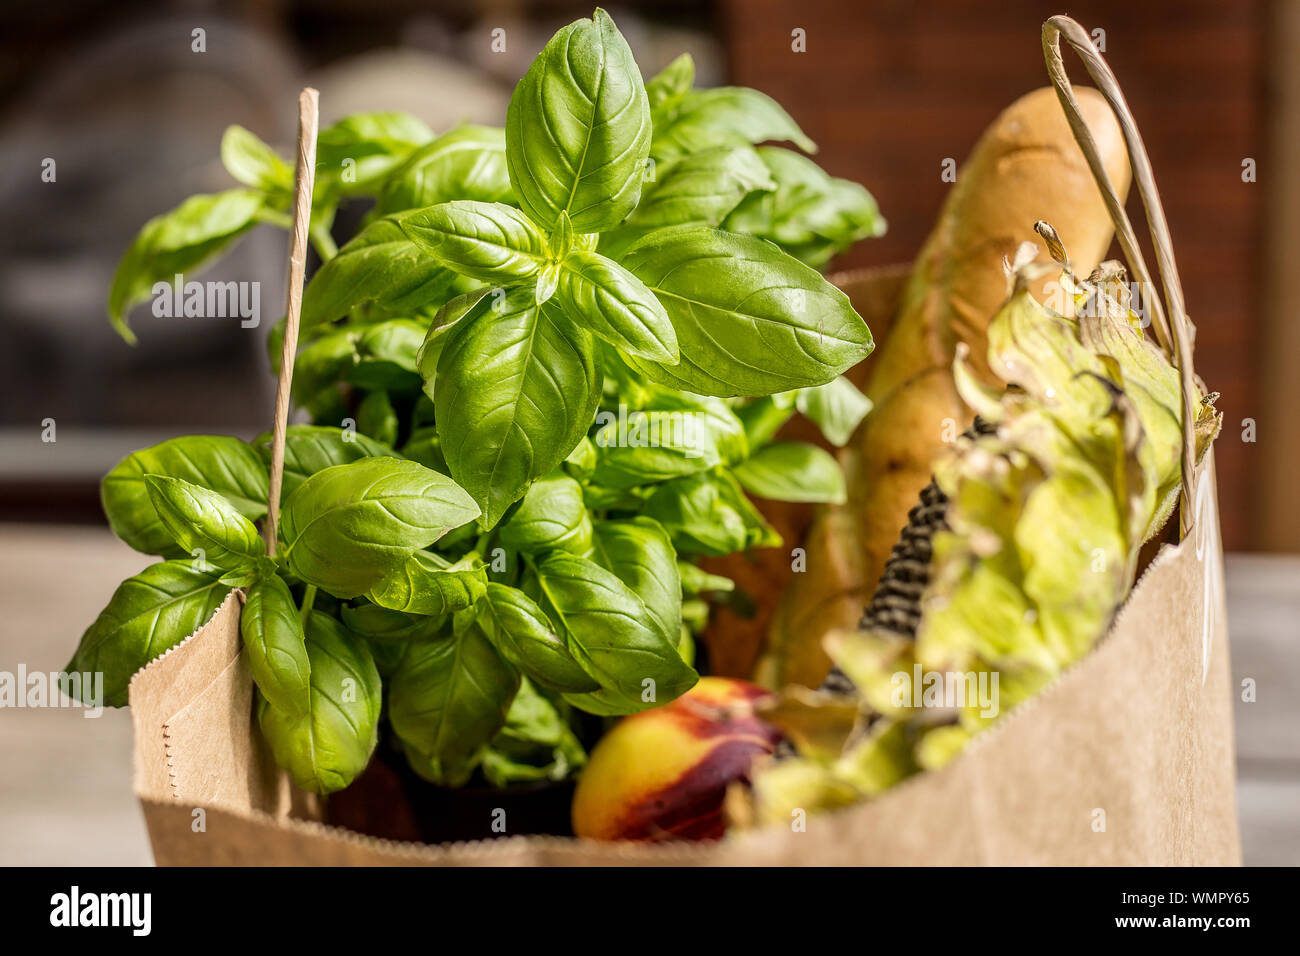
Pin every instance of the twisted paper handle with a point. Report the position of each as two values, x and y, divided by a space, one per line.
1178 343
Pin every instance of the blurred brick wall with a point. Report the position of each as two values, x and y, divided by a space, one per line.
889 88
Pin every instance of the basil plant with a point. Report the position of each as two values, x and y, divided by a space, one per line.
542 381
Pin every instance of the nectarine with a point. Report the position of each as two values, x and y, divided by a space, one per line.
662 774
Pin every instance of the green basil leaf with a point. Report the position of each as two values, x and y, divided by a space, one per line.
204 524
376 418
149 614
607 299
535 744
430 585
677 435
446 700
548 280
348 526
387 657
532 719
469 304
502 770
254 163
562 238
667 88
582 460
640 552
276 645
621 383
750 320
792 471
423 446
380 266
275 344
312 448
612 635
489 241
836 407
602 703
178 242
525 637
386 356
360 150
459 540
552 516
709 514
422 412
330 406
691 625
810 214
219 463
327 747
379 625
578 129
321 363
320 223
599 498
726 114
245 575
469 162
696 581
516 390
695 618
764 417
701 188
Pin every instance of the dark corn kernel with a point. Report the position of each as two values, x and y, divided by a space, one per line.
896 604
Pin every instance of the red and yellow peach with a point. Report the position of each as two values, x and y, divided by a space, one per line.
663 774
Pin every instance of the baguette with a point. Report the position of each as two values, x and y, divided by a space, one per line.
1026 167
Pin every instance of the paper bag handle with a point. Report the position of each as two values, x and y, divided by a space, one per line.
304 178
1178 342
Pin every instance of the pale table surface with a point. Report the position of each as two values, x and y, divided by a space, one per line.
65 781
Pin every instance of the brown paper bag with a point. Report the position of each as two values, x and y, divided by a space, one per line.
1125 759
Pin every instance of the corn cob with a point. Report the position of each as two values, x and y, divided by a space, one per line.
895 606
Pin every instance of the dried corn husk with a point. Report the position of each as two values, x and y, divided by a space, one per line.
1034 526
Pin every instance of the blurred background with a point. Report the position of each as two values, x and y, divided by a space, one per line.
114 92
133 117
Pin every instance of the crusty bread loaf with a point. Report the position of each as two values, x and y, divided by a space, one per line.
1026 167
